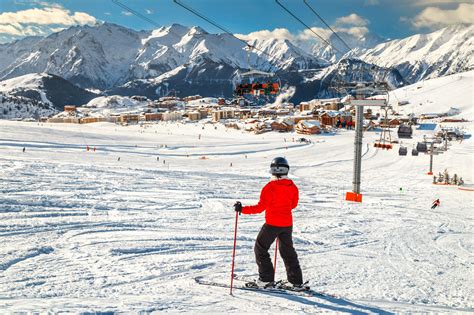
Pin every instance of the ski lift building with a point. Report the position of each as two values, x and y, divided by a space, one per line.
153 116
129 118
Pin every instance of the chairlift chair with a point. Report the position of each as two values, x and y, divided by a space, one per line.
405 131
256 86
402 150
421 147
385 140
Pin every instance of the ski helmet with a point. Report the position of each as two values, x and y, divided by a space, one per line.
279 166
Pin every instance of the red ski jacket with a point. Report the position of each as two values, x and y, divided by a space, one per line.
277 199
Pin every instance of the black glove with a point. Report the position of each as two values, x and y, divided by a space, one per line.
238 207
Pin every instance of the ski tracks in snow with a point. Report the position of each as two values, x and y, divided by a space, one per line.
82 231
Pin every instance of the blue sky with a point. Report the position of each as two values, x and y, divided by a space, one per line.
387 18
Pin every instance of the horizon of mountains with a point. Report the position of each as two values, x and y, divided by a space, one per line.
108 59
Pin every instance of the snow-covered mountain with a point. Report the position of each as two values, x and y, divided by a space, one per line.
423 56
12 51
90 56
20 107
188 60
39 91
107 55
356 42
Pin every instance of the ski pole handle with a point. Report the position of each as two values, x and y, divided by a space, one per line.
233 252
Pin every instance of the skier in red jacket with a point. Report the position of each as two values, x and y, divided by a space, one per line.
436 203
278 198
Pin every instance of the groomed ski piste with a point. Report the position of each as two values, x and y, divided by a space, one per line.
86 232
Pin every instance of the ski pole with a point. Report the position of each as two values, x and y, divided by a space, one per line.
233 253
275 263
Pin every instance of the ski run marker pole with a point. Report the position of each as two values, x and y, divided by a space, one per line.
233 253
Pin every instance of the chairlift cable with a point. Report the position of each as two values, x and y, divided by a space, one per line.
337 35
327 25
202 16
140 15
307 26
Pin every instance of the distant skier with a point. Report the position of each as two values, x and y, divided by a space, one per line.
436 203
24 149
278 198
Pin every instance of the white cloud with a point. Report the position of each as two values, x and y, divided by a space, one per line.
46 16
107 13
352 20
309 35
433 17
305 37
10 30
148 11
127 13
41 21
352 24
278 33
357 31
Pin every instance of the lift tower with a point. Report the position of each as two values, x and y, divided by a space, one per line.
363 94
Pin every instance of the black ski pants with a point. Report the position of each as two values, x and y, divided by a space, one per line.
265 239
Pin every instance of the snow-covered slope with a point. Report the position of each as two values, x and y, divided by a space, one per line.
9 52
20 107
358 42
286 55
104 105
82 230
45 88
446 51
437 96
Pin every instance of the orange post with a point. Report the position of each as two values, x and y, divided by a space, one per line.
352 196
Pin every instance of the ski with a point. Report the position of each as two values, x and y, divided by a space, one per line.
277 290
201 281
